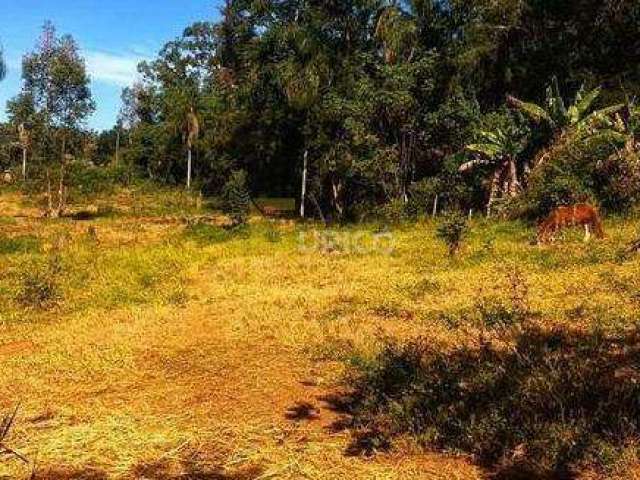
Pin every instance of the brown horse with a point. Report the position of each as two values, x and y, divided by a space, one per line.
562 217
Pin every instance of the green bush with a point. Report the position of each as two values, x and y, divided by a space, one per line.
394 212
594 170
452 231
235 198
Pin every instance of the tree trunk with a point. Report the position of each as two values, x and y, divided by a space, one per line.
514 182
318 208
61 194
189 169
117 146
304 182
49 211
494 190
57 212
24 163
435 205
337 187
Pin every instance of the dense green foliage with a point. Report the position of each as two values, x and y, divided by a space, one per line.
50 111
390 102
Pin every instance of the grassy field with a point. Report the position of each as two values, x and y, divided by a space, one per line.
142 340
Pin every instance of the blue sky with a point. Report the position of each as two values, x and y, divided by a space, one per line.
114 36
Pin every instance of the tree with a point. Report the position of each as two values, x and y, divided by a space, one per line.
499 149
555 115
3 66
57 100
236 199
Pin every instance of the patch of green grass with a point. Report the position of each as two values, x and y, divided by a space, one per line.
19 244
206 234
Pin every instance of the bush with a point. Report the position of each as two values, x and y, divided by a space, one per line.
235 198
552 400
594 170
452 231
394 212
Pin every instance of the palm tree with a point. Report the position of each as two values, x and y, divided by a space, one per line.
190 135
499 150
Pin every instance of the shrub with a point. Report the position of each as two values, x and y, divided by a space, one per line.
235 198
552 400
452 231
576 169
394 212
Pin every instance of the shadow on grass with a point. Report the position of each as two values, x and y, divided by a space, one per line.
69 473
302 411
193 471
539 404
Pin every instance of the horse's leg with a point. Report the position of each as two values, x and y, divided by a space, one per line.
587 232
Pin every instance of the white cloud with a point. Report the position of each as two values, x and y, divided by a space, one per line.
114 69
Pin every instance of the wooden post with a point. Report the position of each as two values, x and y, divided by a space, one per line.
304 183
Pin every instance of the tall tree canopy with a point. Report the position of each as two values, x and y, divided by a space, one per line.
54 103
376 100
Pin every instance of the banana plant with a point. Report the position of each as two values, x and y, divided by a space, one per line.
578 116
499 150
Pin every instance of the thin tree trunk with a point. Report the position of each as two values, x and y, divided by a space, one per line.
24 163
318 208
514 182
58 211
61 193
117 146
435 205
49 211
304 182
336 195
189 169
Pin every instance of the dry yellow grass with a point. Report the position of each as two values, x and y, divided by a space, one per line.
168 358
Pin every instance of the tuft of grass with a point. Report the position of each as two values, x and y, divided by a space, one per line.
206 234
